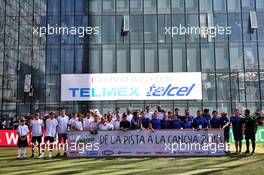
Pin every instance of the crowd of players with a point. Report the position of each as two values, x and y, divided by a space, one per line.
57 126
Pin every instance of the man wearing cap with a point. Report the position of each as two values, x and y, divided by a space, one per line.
250 130
51 132
125 125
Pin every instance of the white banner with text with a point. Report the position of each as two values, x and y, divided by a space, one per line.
131 86
146 143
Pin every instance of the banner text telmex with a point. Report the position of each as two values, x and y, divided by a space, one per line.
131 86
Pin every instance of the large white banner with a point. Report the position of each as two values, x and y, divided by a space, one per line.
146 143
131 86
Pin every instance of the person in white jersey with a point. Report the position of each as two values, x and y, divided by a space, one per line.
51 133
22 142
73 119
116 122
129 113
104 126
148 113
78 124
36 129
88 118
63 123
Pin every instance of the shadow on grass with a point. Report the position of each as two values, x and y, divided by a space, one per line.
223 168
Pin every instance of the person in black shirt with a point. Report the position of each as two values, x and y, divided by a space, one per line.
125 125
135 121
176 112
250 130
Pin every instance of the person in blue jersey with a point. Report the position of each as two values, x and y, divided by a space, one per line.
200 122
177 112
144 121
186 124
176 122
187 114
155 122
206 114
237 123
214 122
225 125
165 122
170 115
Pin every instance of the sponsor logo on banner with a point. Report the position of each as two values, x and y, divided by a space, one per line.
160 152
91 153
108 152
142 152
124 152
131 86
74 152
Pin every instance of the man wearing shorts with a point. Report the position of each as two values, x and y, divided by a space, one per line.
51 132
63 122
36 128
237 126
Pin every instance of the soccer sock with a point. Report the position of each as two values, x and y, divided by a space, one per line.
240 146
247 144
18 152
50 153
24 151
253 145
236 145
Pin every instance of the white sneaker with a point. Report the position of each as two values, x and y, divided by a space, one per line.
18 157
24 156
50 155
41 156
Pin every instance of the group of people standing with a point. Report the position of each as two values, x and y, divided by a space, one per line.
57 126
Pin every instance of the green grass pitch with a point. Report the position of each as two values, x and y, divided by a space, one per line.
233 164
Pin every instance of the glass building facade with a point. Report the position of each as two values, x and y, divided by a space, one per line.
232 65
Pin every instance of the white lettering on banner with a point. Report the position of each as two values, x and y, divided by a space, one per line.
131 86
12 138
134 143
